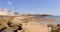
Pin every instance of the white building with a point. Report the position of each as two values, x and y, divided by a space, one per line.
4 11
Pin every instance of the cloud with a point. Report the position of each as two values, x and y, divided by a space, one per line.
9 2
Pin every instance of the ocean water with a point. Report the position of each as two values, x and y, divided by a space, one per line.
56 17
55 21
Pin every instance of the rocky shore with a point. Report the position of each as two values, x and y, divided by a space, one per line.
24 24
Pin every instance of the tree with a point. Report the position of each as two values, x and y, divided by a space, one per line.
16 13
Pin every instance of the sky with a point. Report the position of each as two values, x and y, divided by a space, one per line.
51 7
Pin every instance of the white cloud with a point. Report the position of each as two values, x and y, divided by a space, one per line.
9 2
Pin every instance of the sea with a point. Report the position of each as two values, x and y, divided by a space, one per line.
55 21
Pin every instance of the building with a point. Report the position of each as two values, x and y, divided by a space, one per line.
4 11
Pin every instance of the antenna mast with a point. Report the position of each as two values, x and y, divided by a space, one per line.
15 9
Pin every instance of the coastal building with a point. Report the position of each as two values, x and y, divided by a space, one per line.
5 11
